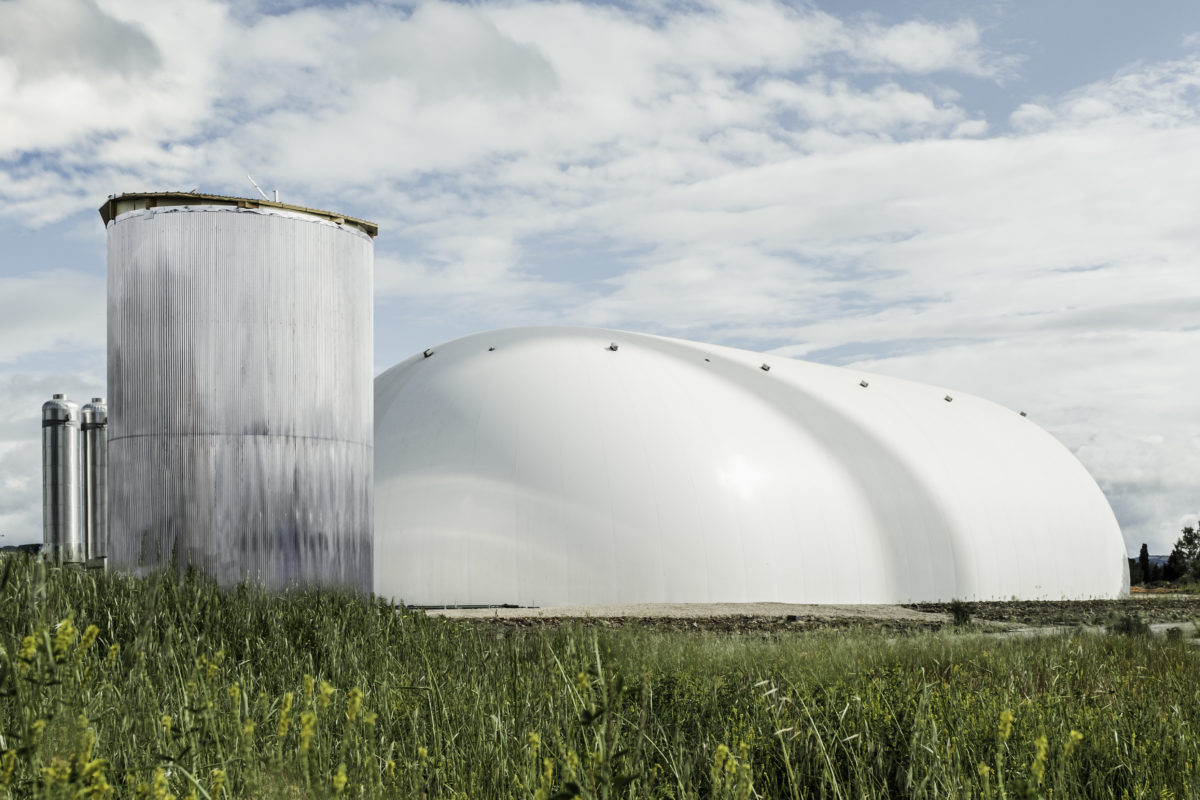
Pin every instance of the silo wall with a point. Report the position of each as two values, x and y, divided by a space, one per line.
240 395
94 453
62 523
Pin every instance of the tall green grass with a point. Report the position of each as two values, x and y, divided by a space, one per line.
112 686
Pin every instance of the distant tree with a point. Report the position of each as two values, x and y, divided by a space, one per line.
1184 560
1176 566
1189 547
1135 572
1144 563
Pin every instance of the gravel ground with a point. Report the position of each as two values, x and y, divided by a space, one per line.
1150 608
693 611
744 618
1025 617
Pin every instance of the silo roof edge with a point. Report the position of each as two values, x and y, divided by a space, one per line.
117 204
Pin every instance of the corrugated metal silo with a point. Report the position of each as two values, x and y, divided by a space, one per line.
240 388
61 525
95 481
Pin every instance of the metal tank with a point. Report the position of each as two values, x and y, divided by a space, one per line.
94 434
240 388
61 525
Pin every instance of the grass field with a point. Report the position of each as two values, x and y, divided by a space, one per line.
113 686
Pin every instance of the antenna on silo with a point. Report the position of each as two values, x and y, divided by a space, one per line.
260 191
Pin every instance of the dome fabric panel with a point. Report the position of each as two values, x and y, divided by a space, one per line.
540 467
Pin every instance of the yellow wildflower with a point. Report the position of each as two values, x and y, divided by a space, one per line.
64 638
718 765
210 669
218 782
285 714
1072 742
353 704
8 766
1006 723
308 688
87 744
326 695
28 648
339 778
27 653
535 743
308 722
1038 768
89 637
370 717
114 650
158 788
97 781
165 721
59 771
235 691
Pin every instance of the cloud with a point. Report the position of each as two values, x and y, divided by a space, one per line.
920 47
383 93
50 310
52 38
88 126
1154 95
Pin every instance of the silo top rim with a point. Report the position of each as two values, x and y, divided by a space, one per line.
118 204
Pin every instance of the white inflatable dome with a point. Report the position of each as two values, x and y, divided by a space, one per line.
563 466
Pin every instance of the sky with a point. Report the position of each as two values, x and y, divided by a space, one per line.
997 197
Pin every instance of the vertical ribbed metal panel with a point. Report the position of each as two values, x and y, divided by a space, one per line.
240 395
94 436
62 528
